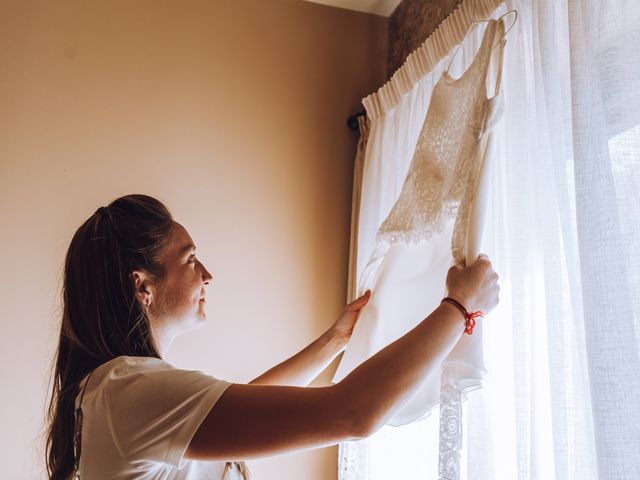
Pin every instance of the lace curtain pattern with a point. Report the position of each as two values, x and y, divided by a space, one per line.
563 231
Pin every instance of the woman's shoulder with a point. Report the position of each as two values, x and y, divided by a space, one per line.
148 407
125 384
123 365
122 372
132 363
126 378
151 372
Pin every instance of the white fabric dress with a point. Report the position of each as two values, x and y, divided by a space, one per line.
139 415
434 224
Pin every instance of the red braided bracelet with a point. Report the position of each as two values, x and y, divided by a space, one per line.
470 318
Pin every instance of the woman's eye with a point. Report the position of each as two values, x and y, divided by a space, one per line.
192 257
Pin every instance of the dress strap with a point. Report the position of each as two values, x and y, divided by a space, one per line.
477 22
501 41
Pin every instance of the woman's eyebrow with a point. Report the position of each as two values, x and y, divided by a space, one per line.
187 248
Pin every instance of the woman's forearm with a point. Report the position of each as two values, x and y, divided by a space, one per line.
304 366
383 383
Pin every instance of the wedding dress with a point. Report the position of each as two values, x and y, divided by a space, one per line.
435 223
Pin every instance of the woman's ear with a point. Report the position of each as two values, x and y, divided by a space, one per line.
143 287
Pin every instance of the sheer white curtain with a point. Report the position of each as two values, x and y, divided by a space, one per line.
561 399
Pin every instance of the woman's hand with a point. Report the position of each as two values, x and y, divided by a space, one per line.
342 329
475 286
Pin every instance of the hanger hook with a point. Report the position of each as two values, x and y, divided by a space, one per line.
515 18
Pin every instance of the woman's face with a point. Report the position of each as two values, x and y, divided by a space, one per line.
178 302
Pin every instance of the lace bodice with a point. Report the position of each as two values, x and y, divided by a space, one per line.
442 176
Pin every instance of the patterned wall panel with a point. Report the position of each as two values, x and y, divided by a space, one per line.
411 23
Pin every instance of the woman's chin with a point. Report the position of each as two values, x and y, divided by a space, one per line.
197 320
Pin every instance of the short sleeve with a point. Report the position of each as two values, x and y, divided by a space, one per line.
153 409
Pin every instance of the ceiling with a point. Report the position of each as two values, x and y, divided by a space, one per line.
384 8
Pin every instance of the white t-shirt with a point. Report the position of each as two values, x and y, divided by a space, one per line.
139 415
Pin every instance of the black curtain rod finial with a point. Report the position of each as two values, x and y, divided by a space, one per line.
352 121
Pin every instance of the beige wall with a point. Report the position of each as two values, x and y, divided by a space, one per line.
233 113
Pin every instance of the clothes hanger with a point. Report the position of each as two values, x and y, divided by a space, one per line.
514 11
502 43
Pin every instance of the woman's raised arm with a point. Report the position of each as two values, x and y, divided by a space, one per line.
304 366
250 421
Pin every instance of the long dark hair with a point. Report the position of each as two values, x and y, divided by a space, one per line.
101 317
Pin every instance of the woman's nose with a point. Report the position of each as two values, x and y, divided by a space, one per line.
206 276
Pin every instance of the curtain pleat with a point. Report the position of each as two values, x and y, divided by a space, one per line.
421 61
363 128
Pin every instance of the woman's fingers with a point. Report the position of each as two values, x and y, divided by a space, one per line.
360 301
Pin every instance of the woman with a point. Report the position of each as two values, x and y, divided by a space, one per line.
132 283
